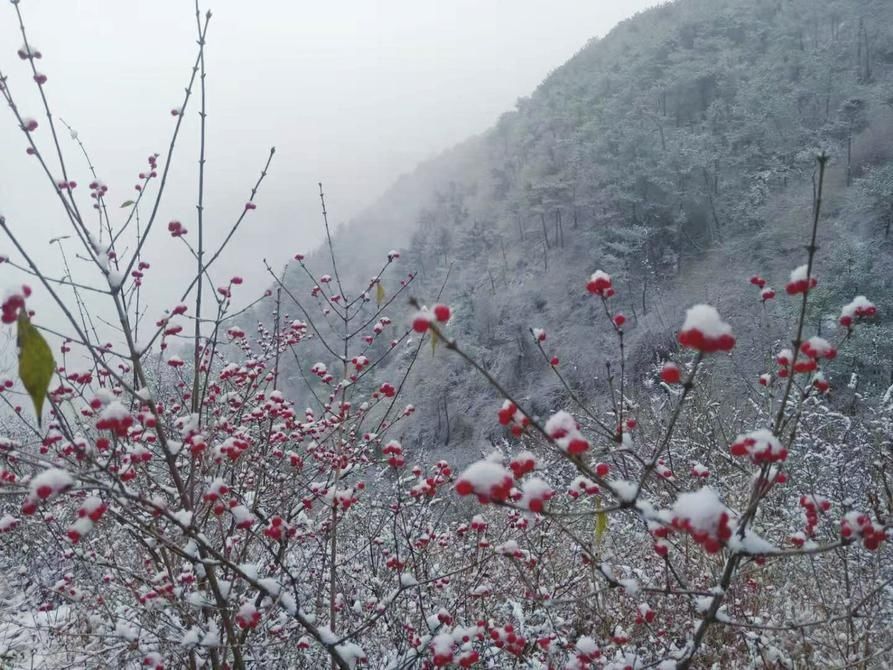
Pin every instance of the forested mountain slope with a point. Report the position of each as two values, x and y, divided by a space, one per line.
677 153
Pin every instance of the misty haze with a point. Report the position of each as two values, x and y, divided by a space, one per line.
414 335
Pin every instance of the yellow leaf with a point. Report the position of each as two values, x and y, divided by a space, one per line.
601 524
379 293
36 364
434 338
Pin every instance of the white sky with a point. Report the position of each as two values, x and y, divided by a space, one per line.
351 93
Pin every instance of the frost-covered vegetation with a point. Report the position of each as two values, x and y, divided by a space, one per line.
677 154
566 423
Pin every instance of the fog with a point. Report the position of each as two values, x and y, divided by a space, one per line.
350 93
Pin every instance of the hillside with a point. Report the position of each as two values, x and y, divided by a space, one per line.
677 153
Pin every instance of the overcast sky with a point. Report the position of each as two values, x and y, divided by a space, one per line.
351 93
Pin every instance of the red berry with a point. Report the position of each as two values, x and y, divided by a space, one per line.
670 373
577 446
442 313
464 487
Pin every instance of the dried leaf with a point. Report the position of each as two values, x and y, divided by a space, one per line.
434 339
601 524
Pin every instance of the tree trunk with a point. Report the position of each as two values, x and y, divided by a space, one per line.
560 229
446 411
644 289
